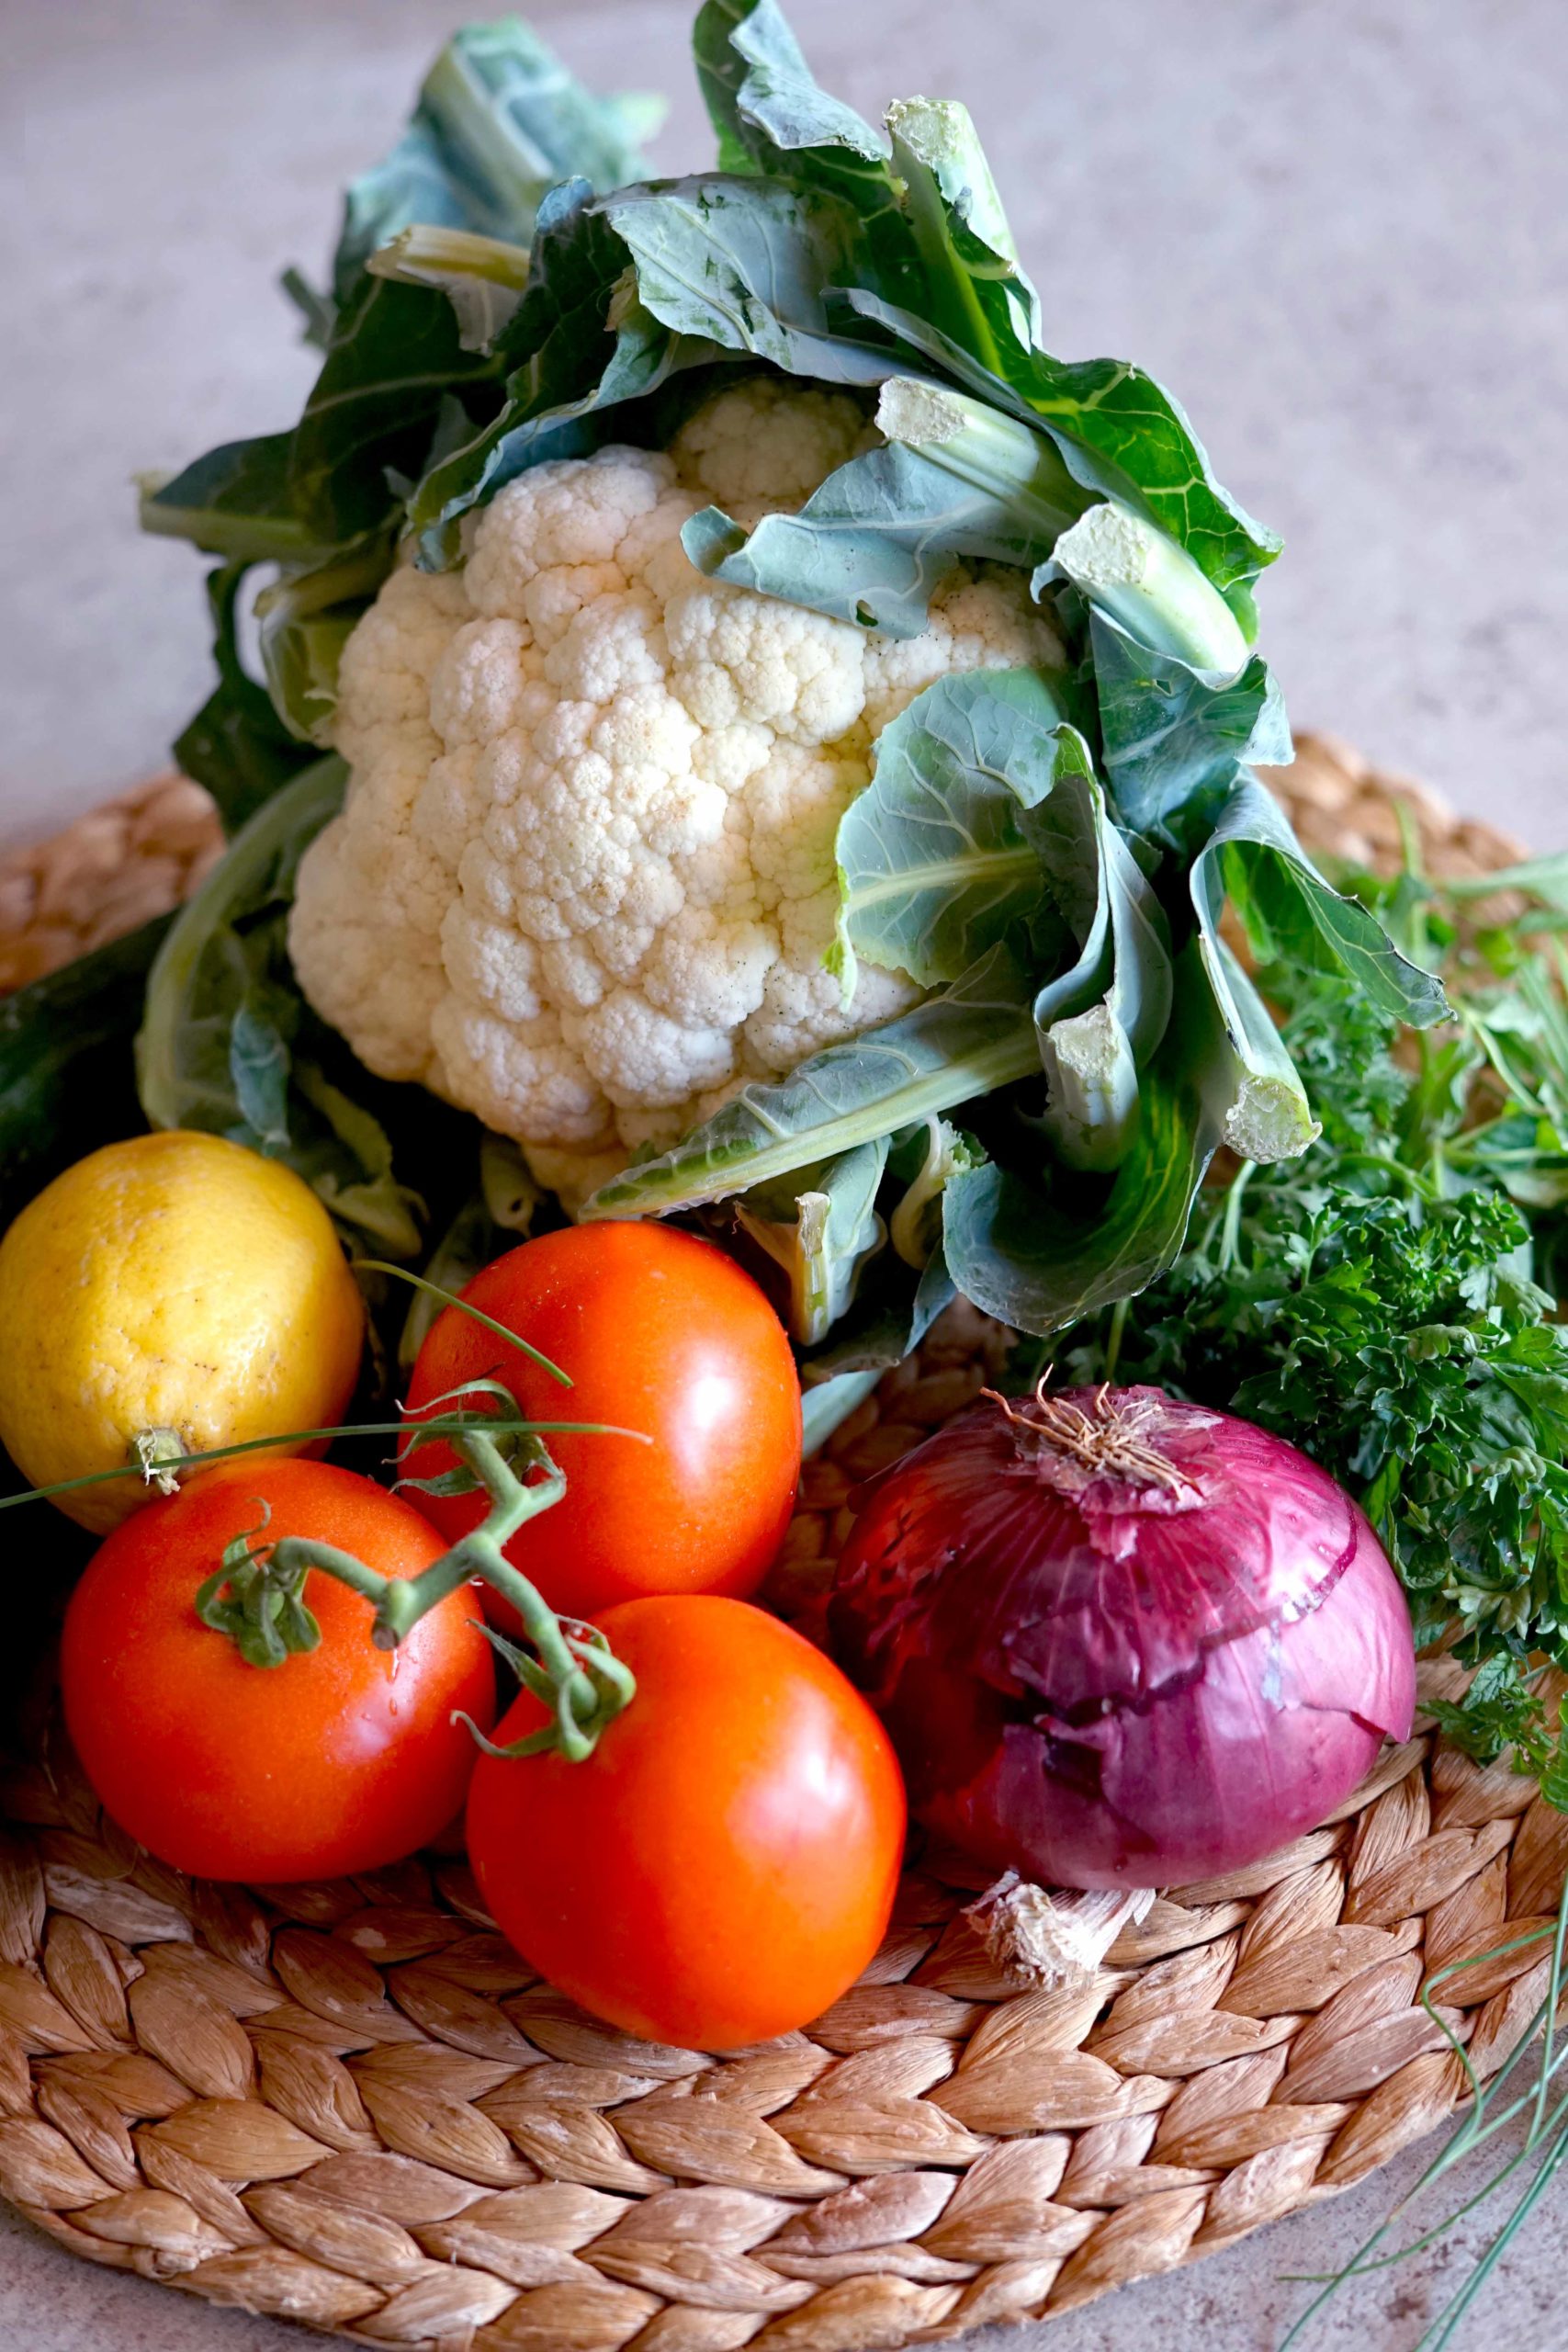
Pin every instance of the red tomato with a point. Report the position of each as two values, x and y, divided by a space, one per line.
662 1333
341 1759
722 1867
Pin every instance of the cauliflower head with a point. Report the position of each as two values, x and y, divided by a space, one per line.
584 881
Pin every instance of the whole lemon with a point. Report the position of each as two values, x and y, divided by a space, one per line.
176 1287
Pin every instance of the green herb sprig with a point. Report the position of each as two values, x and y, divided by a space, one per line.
1511 2097
1389 1300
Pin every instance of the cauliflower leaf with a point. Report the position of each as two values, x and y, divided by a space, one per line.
226 1045
934 863
740 781
964 1042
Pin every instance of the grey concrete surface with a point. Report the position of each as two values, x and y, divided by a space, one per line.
1338 229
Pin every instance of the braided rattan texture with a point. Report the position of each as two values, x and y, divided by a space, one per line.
119 865
352 2105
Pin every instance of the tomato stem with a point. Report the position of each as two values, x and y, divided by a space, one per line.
256 1597
455 1299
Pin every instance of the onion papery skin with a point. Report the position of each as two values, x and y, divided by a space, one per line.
1101 1680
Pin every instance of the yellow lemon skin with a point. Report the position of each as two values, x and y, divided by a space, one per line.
175 1281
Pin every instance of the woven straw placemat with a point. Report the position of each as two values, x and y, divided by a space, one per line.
352 2105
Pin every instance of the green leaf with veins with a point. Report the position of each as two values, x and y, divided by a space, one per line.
820 1227
1120 433
1292 915
873 545
499 122
258 1065
1040 1261
951 250
236 745
766 106
895 1306
235 501
966 1041
1131 572
743 264
483 278
861 1240
921 1163
969 273
1100 1018
1105 900
724 67
206 973
818 253
774 120
305 619
884 531
226 1044
571 370
1255 1089
957 478
1174 738
1134 425
395 357
934 865
346 1155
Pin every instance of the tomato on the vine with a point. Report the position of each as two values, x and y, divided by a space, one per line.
660 1333
340 1758
723 1865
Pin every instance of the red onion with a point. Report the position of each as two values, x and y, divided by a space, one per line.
1122 1641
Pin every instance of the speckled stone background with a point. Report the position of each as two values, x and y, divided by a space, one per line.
1338 228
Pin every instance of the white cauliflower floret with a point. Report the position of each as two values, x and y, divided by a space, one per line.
803 1008
971 615
490 1065
563 519
795 804
764 445
584 881
643 1059
383 1003
734 655
710 968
